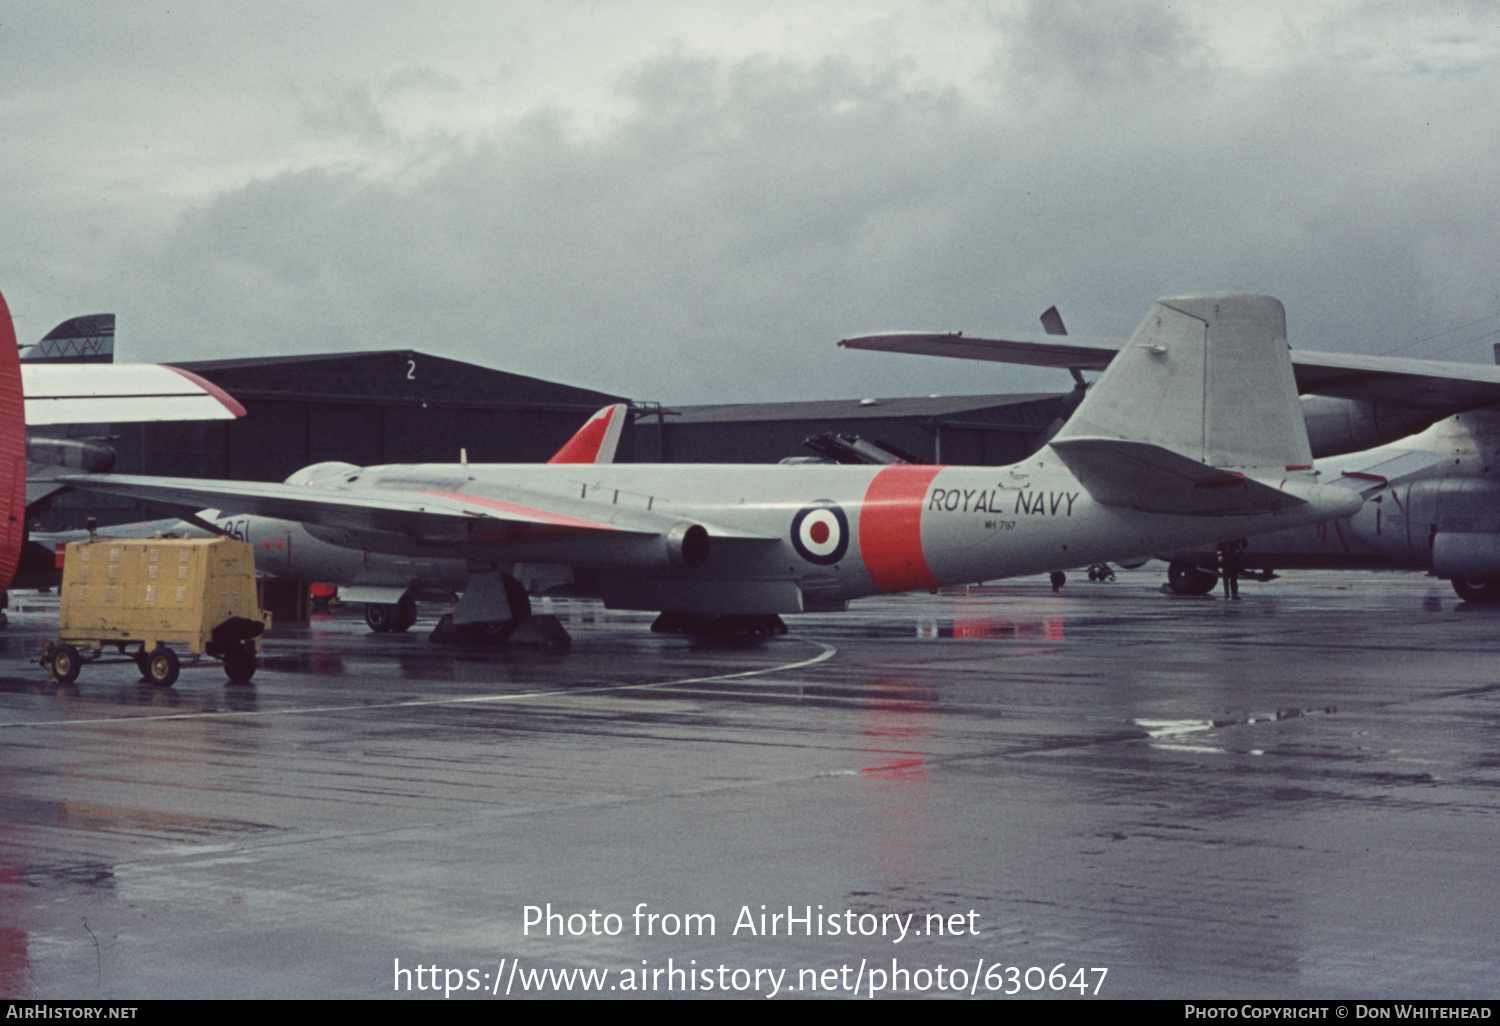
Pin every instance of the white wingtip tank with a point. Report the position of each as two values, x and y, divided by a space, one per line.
1207 376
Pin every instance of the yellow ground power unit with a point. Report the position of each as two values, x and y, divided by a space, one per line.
148 594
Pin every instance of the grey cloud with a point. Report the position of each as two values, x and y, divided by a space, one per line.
347 112
1098 46
714 245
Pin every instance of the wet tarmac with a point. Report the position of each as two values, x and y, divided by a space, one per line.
1293 795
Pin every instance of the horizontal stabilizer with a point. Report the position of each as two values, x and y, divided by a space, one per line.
1138 475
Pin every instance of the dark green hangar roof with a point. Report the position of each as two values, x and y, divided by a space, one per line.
394 377
1028 408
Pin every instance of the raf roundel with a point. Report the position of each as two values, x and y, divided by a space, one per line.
820 533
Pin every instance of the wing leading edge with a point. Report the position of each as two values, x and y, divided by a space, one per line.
120 393
522 523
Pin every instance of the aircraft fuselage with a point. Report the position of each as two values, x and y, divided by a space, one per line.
782 539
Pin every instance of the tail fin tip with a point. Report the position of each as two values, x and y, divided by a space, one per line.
597 440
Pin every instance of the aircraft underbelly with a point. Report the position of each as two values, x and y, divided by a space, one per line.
288 549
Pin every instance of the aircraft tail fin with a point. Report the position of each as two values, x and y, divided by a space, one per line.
1208 377
87 339
597 440
1198 415
12 450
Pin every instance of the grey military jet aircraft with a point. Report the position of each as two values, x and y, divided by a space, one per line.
1191 436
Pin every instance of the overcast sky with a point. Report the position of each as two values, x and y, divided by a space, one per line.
693 202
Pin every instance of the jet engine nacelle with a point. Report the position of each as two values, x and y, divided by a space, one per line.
684 545
1337 426
687 545
71 454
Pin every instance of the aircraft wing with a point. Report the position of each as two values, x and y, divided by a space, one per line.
120 393
1032 350
426 514
422 514
1435 384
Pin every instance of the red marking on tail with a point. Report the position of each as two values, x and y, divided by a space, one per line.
12 450
583 447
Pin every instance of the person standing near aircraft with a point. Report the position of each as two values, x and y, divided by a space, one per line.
1229 568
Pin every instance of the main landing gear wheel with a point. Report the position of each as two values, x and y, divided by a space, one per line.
485 632
65 664
1186 579
393 618
162 667
1477 589
516 595
239 663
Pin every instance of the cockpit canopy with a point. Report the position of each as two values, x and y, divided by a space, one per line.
321 473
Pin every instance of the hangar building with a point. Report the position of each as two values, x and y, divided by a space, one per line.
396 406
405 406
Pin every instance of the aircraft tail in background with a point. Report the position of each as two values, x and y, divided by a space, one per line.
86 339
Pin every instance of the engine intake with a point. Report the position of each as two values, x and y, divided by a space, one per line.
687 545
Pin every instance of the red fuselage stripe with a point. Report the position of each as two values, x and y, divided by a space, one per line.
890 528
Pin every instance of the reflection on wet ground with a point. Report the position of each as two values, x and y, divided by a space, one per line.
1291 795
